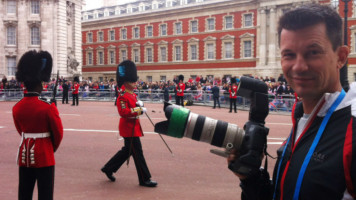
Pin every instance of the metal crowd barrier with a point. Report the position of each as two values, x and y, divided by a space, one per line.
282 103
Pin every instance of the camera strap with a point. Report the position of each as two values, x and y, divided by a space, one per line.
311 149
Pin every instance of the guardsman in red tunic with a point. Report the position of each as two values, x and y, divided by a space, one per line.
233 96
75 91
180 91
39 126
129 127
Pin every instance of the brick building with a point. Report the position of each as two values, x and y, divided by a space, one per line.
190 37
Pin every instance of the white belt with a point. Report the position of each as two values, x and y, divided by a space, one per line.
36 135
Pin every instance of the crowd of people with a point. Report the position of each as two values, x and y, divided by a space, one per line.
200 84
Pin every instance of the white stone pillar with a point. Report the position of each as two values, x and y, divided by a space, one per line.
263 38
272 37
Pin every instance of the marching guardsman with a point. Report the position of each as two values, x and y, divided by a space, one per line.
129 127
180 91
233 96
75 91
39 125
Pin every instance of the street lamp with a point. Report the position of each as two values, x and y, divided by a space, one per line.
343 71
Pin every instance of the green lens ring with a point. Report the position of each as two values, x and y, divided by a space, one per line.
177 122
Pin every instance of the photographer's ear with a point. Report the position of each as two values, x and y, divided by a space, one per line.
342 52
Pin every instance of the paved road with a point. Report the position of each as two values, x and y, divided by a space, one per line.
90 139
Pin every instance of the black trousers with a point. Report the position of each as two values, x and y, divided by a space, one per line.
122 155
232 101
75 99
216 100
180 100
45 182
65 97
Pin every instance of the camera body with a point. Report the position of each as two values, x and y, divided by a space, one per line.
254 143
250 142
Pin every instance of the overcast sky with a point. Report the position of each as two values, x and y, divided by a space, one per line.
92 4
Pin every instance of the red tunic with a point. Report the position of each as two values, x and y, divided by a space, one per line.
129 125
75 88
32 115
180 89
233 92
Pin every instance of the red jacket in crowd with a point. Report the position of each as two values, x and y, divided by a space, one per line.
233 91
180 89
75 88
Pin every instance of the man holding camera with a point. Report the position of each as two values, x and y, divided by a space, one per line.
318 159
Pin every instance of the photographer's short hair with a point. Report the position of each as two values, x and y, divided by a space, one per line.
310 15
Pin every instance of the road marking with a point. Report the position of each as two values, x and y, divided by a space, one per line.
279 143
285 124
70 114
2 126
271 138
90 130
9 112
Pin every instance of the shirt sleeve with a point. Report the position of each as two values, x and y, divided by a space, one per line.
56 127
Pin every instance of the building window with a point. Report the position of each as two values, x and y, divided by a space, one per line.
149 55
100 36
100 58
90 58
210 24
163 78
90 38
163 52
11 66
123 55
247 49
177 53
123 34
35 36
136 55
163 29
194 26
149 31
211 51
228 22
136 32
247 20
228 49
11 6
178 28
149 79
111 57
35 7
112 35
193 52
11 35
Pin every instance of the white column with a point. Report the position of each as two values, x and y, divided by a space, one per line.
263 37
272 37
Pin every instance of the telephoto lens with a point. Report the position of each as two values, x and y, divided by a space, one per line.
183 123
250 142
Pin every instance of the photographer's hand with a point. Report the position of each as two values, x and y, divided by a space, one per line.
234 155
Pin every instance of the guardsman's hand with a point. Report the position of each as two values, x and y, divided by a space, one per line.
139 103
144 109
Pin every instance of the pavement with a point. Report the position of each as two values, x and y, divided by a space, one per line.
91 139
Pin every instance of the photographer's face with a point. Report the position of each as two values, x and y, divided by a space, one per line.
309 63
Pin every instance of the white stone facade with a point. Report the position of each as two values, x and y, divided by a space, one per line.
59 26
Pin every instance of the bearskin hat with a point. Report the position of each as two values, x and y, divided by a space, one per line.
126 72
33 68
181 77
76 79
233 80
